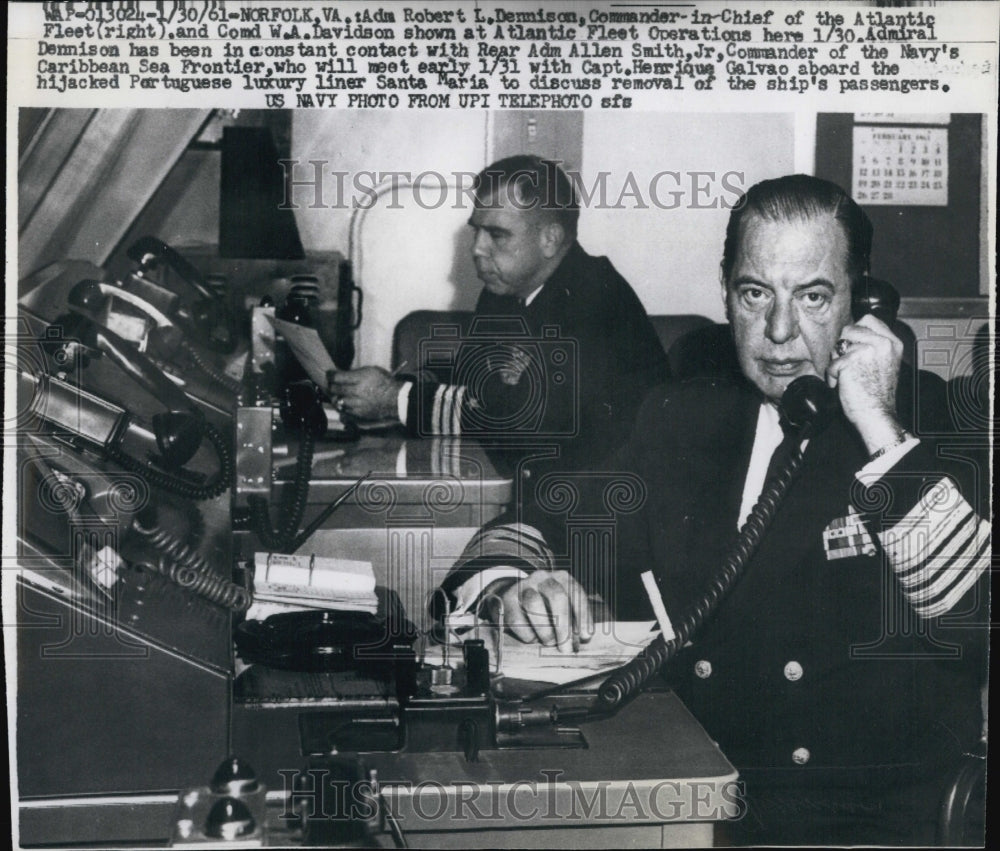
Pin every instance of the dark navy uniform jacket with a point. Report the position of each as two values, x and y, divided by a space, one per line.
837 657
586 356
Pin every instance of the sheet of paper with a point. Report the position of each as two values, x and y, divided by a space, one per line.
308 349
613 644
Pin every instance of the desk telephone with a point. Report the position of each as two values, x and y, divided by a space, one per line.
108 322
98 424
210 318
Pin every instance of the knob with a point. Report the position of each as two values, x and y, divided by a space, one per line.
234 777
229 819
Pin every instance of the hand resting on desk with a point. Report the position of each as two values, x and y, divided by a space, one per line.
548 606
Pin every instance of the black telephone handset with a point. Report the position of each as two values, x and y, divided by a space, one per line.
209 319
164 341
808 400
808 404
178 431
877 297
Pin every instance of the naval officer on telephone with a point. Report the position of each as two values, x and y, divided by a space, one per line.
843 670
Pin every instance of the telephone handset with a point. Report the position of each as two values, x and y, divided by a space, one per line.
877 297
348 317
808 399
165 339
210 318
178 431
808 404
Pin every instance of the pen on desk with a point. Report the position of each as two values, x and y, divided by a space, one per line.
326 512
325 455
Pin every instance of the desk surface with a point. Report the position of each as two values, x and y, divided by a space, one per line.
652 758
403 461
652 764
450 481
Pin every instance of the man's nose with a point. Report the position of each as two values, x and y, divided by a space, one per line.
480 244
782 322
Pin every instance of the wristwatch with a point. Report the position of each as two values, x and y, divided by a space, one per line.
901 437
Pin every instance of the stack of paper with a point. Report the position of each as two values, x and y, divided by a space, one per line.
285 583
613 644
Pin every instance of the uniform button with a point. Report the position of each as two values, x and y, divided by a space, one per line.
800 756
703 669
793 671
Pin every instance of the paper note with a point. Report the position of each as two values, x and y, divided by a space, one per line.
308 349
322 572
613 644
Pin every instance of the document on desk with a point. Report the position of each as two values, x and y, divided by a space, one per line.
308 349
300 582
613 644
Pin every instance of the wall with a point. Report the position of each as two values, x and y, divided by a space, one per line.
671 256
416 257
411 257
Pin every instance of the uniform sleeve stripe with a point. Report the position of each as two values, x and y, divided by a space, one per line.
456 411
436 409
446 405
944 578
930 522
967 577
959 540
516 540
916 538
953 580
938 550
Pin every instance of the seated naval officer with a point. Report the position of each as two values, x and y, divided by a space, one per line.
537 279
844 668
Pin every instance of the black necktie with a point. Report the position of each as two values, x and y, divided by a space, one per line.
785 449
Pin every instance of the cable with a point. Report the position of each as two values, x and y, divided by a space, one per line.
227 382
283 538
187 568
629 679
397 832
176 485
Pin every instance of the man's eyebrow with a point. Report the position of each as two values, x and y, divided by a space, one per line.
739 280
756 282
818 282
496 229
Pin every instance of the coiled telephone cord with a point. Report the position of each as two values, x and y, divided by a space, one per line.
180 563
282 539
631 678
176 485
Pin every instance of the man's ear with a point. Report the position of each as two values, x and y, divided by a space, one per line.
551 237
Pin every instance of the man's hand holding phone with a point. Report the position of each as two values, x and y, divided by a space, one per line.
865 371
